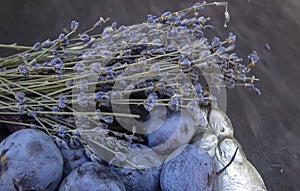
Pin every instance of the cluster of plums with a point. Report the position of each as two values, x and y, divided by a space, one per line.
30 160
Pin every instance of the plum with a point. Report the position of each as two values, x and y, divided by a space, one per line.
92 176
177 129
72 158
145 178
29 161
188 168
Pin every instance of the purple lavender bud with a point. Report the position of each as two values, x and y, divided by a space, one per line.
32 114
99 116
24 70
99 95
2 69
107 95
36 65
110 77
220 50
114 26
60 143
20 95
166 16
37 46
122 28
61 135
21 101
59 68
108 119
108 70
149 84
231 75
45 64
186 63
267 46
205 102
76 132
25 56
199 32
22 109
151 18
55 108
74 25
202 20
95 68
75 142
84 37
79 67
242 77
174 103
116 95
88 153
198 88
62 39
82 99
242 68
257 91
253 58
47 43
99 22
79 53
231 39
193 106
230 84
184 22
197 4
238 60
150 101
62 102
176 22
90 43
155 69
249 85
230 48
54 61
156 42
127 51
160 86
170 91
199 97
61 129
53 51
144 40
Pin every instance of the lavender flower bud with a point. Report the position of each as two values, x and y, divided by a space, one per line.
74 25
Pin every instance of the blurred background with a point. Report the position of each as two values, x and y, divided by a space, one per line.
267 126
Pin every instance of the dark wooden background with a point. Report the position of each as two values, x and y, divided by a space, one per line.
267 126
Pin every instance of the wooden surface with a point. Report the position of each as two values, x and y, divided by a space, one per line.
267 126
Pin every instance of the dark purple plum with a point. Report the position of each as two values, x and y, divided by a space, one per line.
72 158
141 179
187 168
29 161
92 176
177 129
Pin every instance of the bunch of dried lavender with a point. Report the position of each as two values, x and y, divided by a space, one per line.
166 61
